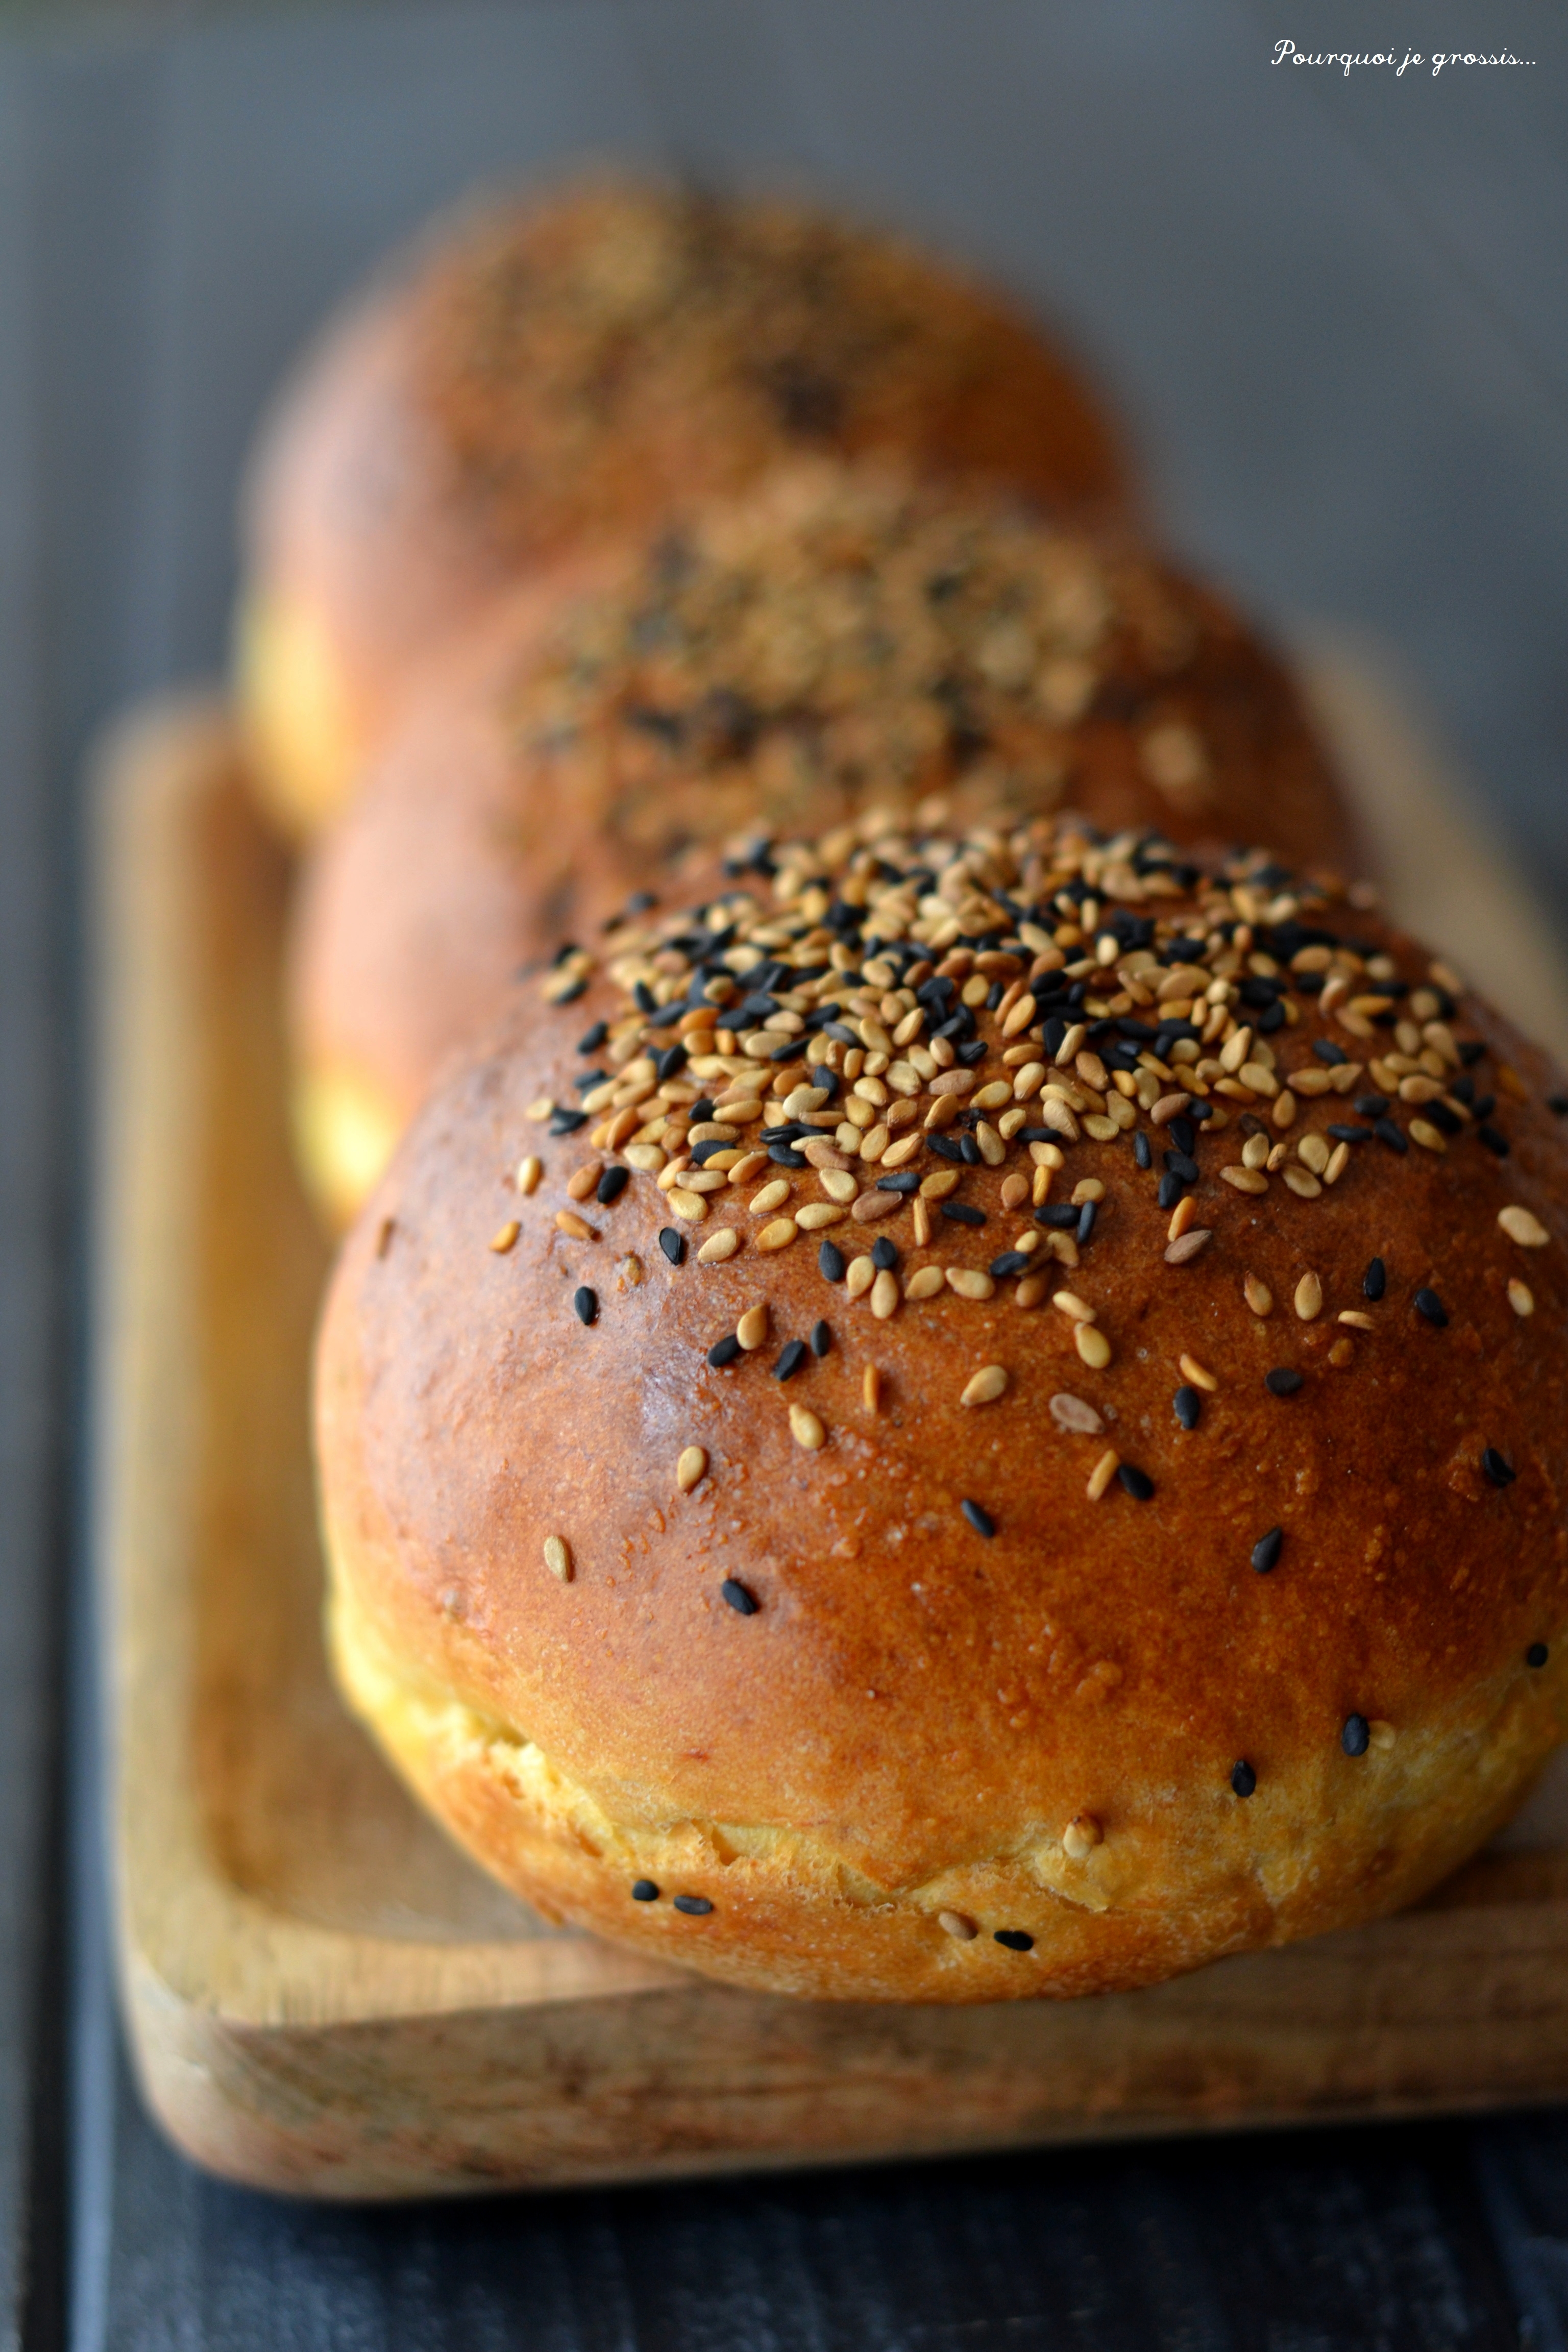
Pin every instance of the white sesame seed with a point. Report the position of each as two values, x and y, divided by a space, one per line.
691 1467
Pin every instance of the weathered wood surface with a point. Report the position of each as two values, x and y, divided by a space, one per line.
322 1995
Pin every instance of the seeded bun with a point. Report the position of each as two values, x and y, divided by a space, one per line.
968 1420
839 640
541 375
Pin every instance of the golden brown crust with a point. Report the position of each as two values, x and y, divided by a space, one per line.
1035 1731
837 641
547 374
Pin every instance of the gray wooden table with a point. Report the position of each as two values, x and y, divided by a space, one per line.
1337 316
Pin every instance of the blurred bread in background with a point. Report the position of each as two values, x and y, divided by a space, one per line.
541 375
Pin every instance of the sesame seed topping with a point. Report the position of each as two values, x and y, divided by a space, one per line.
1427 1303
1355 1738
1014 1939
744 1603
805 1429
1520 1297
1266 1550
1496 1469
1092 1346
644 1891
1072 1414
1103 1472
871 1388
1522 1227
611 1185
959 1212
820 1339
502 1242
1190 1369
791 1357
1082 1835
752 1328
695 1907
954 1924
558 1557
1257 1295
1309 1298
672 1244
1283 1381
724 1351
979 1519
1374 1281
831 1261
1537 1654
986 1385
1243 1779
1187 1405
691 1468
1136 1482
585 1304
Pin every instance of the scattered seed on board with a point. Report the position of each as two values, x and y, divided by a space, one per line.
691 1468
558 1557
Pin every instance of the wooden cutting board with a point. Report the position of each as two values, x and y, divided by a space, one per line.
324 1996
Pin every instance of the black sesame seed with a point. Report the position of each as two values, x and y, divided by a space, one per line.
1558 1106
961 1214
784 1155
969 1151
980 1520
696 1907
1059 1215
1427 1303
611 1185
1470 1050
1141 1151
1283 1381
1355 1739
1170 1192
830 1262
1494 1141
644 1891
1374 1281
1327 1051
1537 1654
1344 1134
1010 1262
1188 1406
884 1254
566 1122
644 997
673 1244
1086 1223
1273 1019
1243 1779
573 990
820 1339
724 1351
1387 1132
670 1063
701 1153
1266 1550
744 1602
904 1182
1178 1163
1185 1136
791 1357
586 1303
946 1149
1136 1482
595 1038
1499 1472
1014 1939
1372 1106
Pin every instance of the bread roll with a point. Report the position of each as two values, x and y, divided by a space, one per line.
840 640
969 1419
539 375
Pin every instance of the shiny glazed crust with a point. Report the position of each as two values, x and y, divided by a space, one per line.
543 375
840 640
1187 1576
